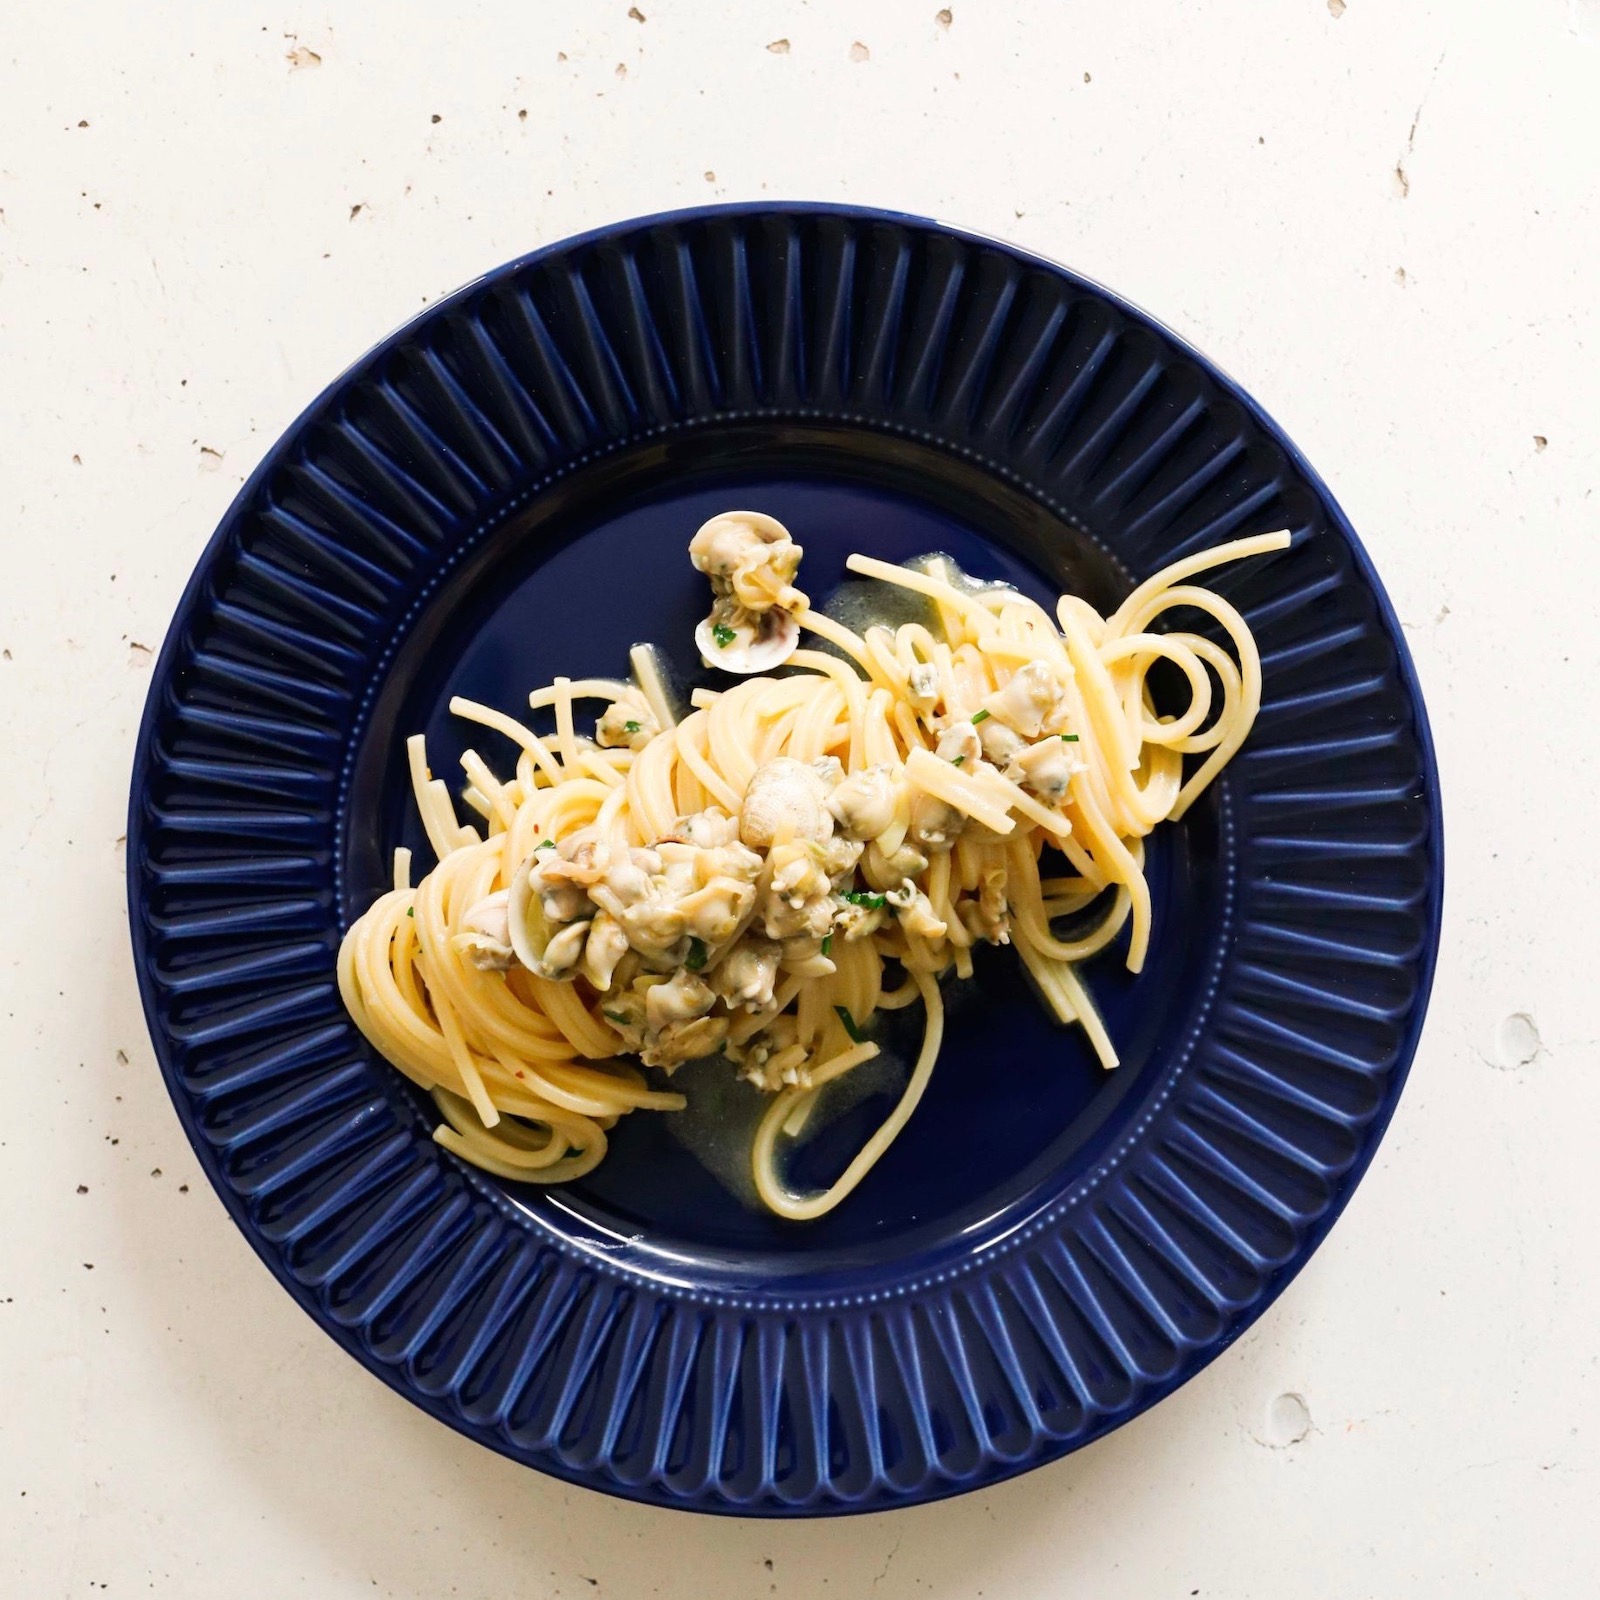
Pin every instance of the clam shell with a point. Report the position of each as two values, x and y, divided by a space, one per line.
775 643
526 925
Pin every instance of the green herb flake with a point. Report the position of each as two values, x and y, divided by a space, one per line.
1071 738
860 897
723 634
979 716
545 844
696 957
630 727
827 943
411 911
856 1035
618 1017
957 761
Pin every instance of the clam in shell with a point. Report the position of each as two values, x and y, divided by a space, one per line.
748 641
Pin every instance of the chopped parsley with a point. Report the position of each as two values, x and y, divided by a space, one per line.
696 957
545 844
856 1035
723 634
861 897
957 761
619 1017
411 911
979 716
827 943
1071 738
630 726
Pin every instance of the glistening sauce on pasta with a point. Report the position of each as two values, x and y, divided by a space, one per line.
750 887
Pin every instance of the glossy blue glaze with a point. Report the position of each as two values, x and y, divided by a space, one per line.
503 491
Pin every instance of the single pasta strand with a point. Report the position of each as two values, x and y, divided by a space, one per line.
1087 1016
891 664
840 636
566 729
652 683
437 822
947 595
1168 577
613 689
494 794
488 717
802 1209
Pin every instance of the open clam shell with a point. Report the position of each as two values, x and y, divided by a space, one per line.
765 642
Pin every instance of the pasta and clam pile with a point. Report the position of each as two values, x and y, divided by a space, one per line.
759 878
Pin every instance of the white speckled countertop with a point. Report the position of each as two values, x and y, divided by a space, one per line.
1383 216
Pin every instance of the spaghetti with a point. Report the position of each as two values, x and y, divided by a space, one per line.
796 854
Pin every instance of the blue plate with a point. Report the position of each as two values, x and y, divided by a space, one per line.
503 491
